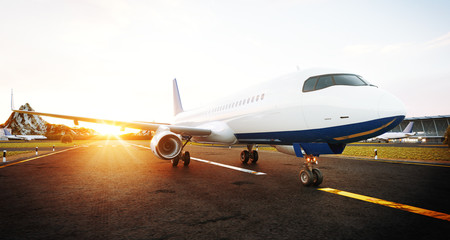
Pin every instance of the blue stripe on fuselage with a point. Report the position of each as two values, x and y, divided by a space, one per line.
362 131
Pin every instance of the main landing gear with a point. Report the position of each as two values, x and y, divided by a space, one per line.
310 175
246 155
183 156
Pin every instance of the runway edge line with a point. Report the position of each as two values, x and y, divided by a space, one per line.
408 208
34 158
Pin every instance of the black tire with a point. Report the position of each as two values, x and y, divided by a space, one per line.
254 156
317 177
245 156
186 158
175 161
306 177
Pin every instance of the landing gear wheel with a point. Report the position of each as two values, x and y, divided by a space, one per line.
318 177
186 158
254 156
245 156
175 161
306 177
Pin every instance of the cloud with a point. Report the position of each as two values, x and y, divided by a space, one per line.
395 48
364 49
441 41
361 49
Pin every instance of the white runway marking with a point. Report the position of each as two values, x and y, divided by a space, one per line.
229 166
141 146
215 163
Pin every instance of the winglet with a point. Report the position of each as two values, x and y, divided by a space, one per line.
12 100
177 106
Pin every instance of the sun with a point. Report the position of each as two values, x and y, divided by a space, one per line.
109 130
105 129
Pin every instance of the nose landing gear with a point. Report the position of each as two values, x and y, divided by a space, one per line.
310 175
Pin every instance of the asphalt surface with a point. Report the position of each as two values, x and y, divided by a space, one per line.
112 191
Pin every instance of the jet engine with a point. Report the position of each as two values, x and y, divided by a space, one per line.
166 145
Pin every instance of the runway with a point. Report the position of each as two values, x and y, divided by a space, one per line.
115 190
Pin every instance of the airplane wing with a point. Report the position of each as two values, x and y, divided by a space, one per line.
182 130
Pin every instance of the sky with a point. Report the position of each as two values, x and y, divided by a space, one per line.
116 59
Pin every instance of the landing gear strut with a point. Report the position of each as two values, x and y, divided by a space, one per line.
310 175
183 156
249 154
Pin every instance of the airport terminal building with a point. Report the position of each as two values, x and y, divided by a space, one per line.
428 129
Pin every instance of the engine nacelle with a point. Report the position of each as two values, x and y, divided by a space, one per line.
166 145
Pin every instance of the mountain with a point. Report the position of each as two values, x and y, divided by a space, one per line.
24 124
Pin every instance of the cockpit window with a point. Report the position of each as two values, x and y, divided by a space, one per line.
324 81
310 84
351 80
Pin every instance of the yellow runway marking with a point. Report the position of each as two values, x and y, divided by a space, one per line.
31 159
421 211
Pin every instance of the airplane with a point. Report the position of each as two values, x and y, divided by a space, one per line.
306 114
22 137
397 135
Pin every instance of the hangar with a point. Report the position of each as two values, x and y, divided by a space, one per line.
430 129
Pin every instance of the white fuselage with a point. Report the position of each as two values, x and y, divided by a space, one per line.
394 135
26 137
279 112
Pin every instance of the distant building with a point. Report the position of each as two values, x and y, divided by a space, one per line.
428 129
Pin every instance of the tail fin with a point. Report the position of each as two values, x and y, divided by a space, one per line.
177 106
7 133
409 127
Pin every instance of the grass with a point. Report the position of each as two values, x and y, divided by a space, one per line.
44 143
12 153
438 154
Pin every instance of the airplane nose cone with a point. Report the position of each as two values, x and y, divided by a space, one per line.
390 106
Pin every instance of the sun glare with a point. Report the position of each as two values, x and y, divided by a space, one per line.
109 130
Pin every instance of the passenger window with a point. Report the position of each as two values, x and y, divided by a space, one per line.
323 82
309 84
346 79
